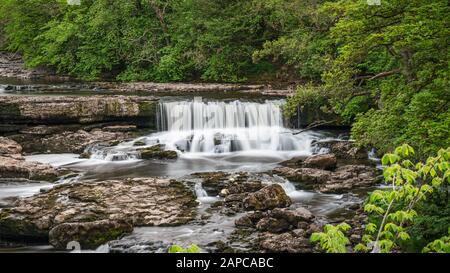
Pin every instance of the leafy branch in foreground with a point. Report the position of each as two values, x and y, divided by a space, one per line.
391 211
441 245
333 239
178 249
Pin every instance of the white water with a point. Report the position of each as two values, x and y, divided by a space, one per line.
56 160
202 195
197 129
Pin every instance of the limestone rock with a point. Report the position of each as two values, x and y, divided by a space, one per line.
138 201
269 197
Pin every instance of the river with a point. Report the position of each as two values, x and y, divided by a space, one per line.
211 131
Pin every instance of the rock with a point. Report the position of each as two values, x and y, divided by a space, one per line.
157 151
215 182
176 87
90 235
46 110
130 244
19 168
244 187
323 161
269 197
343 179
138 201
343 149
273 225
13 164
12 66
292 216
276 220
294 162
244 221
307 176
9 147
250 219
285 242
350 177
119 128
235 197
69 141
139 143
224 192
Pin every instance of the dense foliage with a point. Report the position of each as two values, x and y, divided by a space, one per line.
393 212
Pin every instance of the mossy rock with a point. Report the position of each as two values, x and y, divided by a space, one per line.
90 235
157 152
139 143
12 228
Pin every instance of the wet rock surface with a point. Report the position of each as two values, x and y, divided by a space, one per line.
157 152
343 179
343 149
138 202
47 139
269 197
14 166
89 234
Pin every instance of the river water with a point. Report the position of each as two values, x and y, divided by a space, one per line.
219 132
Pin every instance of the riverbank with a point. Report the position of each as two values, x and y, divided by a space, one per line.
12 70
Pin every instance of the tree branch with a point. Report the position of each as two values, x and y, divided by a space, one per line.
314 125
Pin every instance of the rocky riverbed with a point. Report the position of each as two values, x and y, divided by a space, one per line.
113 173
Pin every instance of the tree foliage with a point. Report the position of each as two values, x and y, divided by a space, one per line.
391 212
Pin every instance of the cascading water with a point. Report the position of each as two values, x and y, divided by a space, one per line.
196 128
225 127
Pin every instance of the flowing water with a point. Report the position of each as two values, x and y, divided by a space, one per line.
208 135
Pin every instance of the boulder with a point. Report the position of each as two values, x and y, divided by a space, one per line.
269 197
323 161
285 242
307 176
273 225
157 152
137 201
293 216
89 234
276 220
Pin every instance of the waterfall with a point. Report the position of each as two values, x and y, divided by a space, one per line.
234 130
198 115
199 191
202 195
224 127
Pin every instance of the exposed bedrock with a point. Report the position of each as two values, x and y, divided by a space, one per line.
343 179
14 166
69 124
46 110
95 212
